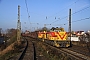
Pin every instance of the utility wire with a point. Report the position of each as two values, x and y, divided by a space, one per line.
60 11
72 14
81 10
77 20
81 19
65 8
28 13
59 19
27 8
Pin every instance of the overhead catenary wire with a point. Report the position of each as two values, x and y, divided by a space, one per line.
65 8
77 20
60 11
80 10
61 18
54 14
28 13
27 8
72 14
81 19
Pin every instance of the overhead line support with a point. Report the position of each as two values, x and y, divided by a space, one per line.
70 24
18 25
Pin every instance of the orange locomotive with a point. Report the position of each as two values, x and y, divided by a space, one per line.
56 37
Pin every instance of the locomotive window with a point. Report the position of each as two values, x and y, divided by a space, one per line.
57 30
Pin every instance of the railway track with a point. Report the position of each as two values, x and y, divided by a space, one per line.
31 49
80 49
29 52
75 55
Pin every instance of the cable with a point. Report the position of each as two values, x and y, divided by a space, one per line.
62 10
81 19
65 8
78 20
60 19
27 8
80 10
72 14
28 13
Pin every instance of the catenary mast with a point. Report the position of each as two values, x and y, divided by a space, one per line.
18 25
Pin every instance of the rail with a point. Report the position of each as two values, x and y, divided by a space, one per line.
76 55
29 52
73 54
23 52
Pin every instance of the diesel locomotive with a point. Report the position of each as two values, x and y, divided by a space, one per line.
57 37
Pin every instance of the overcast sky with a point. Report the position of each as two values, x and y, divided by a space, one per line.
54 12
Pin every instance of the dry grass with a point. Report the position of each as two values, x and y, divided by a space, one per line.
12 51
9 48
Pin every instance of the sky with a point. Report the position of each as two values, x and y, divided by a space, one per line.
49 13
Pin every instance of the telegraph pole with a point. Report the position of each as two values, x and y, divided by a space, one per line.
18 25
70 24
